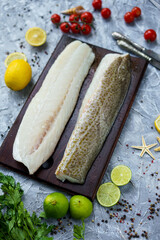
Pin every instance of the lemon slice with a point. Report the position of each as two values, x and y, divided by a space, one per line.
108 194
14 56
121 175
157 123
36 36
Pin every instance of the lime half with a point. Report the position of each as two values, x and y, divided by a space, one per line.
108 194
121 175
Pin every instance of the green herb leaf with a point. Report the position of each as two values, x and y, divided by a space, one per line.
79 231
46 238
42 215
15 221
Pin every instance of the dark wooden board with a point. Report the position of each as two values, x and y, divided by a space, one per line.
96 173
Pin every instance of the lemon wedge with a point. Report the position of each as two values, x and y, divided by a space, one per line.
18 74
14 56
36 36
157 123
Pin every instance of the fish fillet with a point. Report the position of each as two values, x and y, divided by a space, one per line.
52 106
96 117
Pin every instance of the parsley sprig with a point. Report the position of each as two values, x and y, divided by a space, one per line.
16 223
79 231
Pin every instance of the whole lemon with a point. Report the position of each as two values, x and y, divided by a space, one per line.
18 74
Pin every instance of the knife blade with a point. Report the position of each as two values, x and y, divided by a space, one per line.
156 4
150 53
123 44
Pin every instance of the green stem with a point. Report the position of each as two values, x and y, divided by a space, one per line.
27 229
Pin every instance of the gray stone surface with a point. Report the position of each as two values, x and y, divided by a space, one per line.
15 18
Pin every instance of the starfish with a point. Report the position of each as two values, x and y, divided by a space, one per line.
158 148
145 148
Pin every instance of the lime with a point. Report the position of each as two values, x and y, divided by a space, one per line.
157 123
108 194
36 36
18 74
14 56
55 205
121 175
80 207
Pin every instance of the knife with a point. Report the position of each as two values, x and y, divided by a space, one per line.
156 4
123 44
150 53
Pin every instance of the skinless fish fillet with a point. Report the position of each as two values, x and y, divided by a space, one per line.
50 109
96 117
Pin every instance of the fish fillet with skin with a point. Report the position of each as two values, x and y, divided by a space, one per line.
52 106
97 114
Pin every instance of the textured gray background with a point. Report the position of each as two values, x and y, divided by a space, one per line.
15 19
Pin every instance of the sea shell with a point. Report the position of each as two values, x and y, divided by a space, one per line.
75 10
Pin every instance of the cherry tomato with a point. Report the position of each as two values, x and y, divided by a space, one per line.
85 29
150 35
86 17
74 18
136 11
106 13
75 28
55 18
128 17
97 4
65 27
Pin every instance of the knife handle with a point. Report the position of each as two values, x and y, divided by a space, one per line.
119 36
130 48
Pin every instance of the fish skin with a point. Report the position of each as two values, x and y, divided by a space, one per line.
51 108
98 112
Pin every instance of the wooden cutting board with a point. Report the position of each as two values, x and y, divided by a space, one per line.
96 173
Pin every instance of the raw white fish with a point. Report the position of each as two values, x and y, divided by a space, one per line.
98 112
52 106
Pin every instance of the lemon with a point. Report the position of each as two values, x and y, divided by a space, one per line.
80 207
121 175
108 194
36 36
13 56
55 205
157 123
18 74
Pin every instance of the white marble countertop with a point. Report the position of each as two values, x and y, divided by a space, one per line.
136 197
